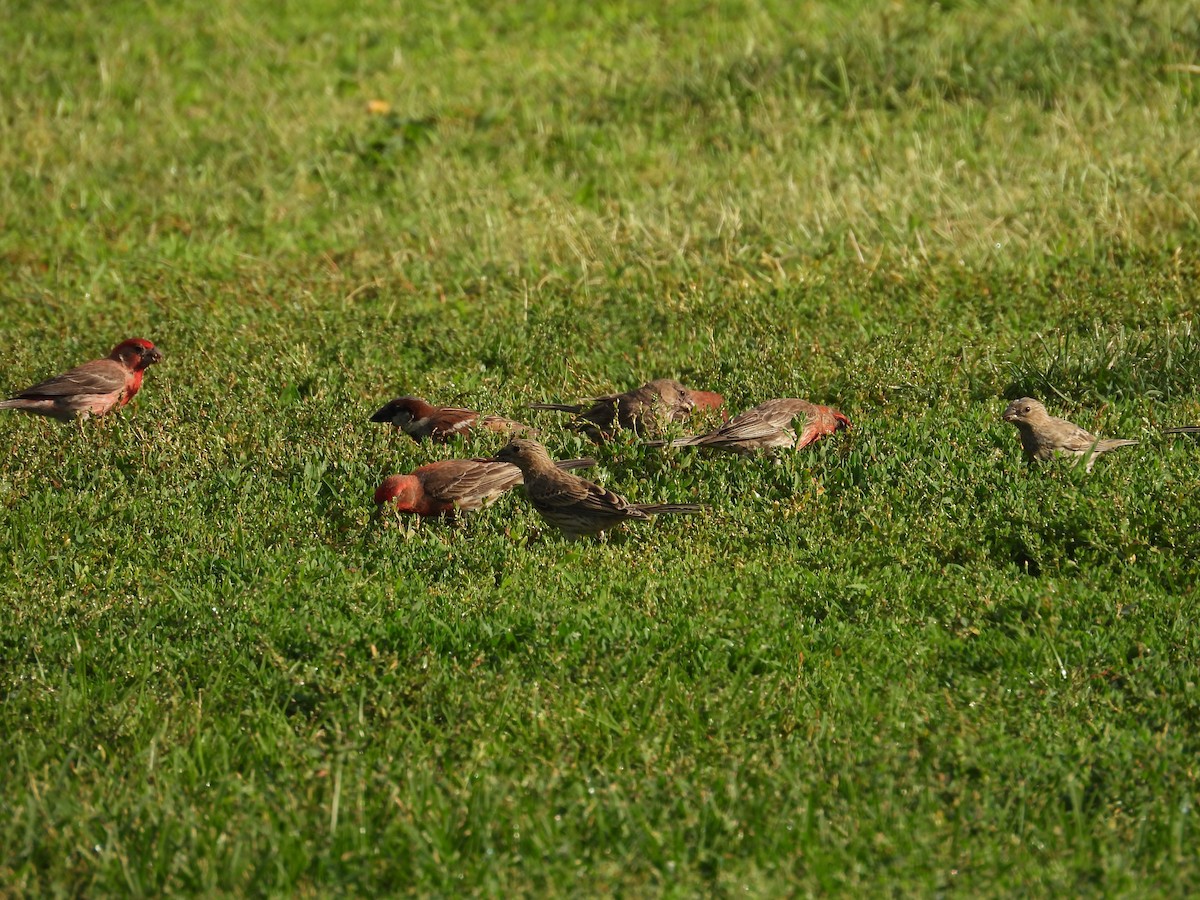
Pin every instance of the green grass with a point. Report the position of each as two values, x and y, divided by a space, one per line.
900 662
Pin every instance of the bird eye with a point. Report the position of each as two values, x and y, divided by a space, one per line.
1028 409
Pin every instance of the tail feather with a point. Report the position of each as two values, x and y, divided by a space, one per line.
655 509
584 463
1115 443
1179 429
690 441
559 407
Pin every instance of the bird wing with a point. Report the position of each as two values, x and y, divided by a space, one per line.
471 478
101 376
580 495
1070 437
750 425
452 419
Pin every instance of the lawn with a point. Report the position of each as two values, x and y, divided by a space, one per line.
901 661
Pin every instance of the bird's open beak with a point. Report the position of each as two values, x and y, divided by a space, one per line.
1010 415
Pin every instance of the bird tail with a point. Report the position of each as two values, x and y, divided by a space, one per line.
690 441
567 464
558 407
10 404
1179 429
1114 444
655 509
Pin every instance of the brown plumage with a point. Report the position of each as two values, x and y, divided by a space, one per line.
769 425
1044 436
1183 429
449 486
92 389
643 410
421 420
572 504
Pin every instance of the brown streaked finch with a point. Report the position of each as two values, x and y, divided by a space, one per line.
574 505
448 486
1044 436
644 409
770 425
92 389
420 420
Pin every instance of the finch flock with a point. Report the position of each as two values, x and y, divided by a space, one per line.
571 504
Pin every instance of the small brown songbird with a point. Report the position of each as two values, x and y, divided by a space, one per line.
1044 436
574 505
420 420
643 410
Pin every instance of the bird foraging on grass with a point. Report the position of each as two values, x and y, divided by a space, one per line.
574 505
772 424
449 486
1044 436
421 420
95 388
645 409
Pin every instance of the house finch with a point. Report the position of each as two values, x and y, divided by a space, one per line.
646 408
770 424
1044 436
421 420
572 504
445 487
1183 429
93 389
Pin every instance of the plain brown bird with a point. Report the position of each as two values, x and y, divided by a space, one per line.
93 389
769 425
449 486
420 419
643 410
572 504
1044 436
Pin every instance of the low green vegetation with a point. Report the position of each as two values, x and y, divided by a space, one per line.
899 662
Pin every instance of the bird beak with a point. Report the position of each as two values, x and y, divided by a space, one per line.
1010 415
153 355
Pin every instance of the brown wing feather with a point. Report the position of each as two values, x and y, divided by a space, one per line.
101 376
471 478
1071 437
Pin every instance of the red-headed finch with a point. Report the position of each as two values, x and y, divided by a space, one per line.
1183 429
766 426
1044 436
443 488
572 504
644 409
93 389
420 420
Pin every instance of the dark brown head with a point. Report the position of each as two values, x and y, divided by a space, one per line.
136 354
674 395
525 454
1025 411
402 411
